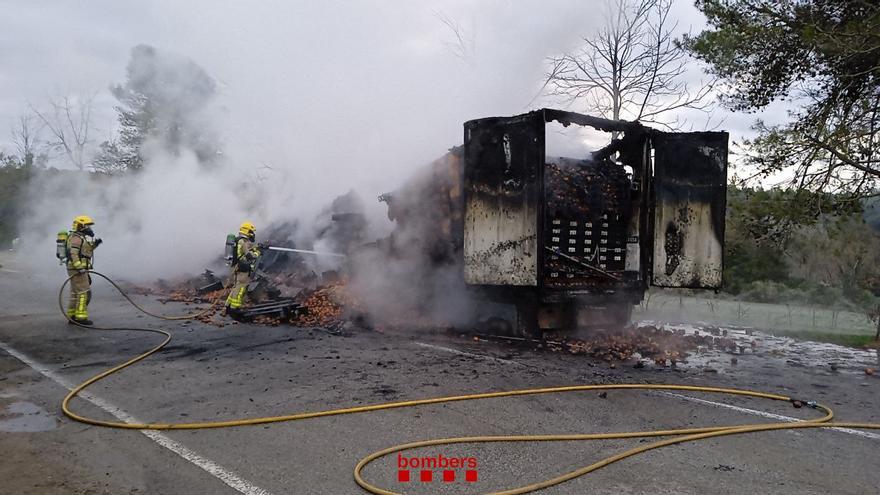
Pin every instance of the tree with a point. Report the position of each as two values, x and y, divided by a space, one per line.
631 68
838 251
69 122
164 99
14 176
114 158
874 315
787 244
463 45
821 56
26 138
772 215
755 234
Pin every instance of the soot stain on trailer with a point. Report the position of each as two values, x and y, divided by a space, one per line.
672 246
690 186
502 191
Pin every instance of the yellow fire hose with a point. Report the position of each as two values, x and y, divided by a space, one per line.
678 436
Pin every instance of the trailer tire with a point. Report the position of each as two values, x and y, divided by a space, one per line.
527 319
621 314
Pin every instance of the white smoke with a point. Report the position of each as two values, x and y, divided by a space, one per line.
311 101
155 224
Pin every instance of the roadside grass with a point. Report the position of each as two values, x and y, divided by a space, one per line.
801 322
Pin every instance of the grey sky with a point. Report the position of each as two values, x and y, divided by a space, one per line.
315 99
330 83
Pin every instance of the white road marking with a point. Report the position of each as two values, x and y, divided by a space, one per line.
469 354
228 477
8 270
780 417
243 486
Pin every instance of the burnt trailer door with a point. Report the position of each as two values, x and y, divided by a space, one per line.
503 195
690 187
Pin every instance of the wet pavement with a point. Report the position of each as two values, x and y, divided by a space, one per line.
242 371
756 349
23 416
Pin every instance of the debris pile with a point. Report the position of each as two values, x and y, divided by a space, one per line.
664 347
324 307
320 307
585 189
270 321
189 296
428 213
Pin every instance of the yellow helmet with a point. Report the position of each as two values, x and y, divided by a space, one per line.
247 229
82 222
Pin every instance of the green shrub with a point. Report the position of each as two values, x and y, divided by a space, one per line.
13 179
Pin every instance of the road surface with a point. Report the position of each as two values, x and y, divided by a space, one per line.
237 371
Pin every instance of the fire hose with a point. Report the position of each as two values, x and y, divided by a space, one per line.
677 436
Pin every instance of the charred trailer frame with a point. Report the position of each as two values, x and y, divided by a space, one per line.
577 241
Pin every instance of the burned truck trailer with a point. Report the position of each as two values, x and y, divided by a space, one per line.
574 241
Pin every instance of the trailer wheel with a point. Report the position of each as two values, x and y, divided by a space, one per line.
620 314
527 319
609 316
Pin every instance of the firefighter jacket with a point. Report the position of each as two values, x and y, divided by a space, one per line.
246 255
79 251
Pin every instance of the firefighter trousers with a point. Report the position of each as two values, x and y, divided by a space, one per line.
80 294
239 290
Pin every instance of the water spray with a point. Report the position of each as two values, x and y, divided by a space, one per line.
305 251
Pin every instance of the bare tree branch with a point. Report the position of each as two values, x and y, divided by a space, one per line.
630 69
69 122
464 45
26 137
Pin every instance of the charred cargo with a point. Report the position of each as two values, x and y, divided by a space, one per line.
573 241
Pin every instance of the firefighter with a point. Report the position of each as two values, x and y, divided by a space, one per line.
244 263
81 244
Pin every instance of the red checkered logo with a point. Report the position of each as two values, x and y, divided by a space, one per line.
436 468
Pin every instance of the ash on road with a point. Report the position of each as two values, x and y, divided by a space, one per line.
240 371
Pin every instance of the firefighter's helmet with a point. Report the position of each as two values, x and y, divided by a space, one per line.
247 229
82 222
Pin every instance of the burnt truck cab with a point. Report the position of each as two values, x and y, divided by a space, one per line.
576 241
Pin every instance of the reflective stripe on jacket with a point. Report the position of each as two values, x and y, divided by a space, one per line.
246 254
79 252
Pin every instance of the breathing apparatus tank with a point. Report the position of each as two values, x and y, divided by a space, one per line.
229 253
61 246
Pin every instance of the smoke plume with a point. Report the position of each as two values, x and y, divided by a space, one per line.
268 113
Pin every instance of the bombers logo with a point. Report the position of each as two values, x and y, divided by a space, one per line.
447 469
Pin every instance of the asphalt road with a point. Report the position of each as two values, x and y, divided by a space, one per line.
237 371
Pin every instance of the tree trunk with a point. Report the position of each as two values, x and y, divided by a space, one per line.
877 335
